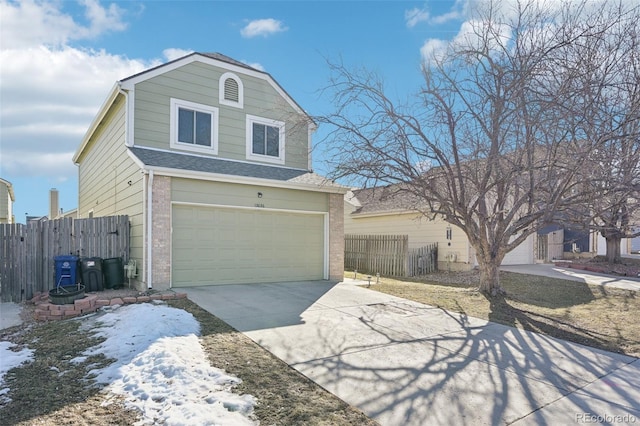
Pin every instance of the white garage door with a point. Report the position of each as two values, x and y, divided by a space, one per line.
213 245
521 255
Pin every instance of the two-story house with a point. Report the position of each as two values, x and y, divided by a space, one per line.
7 198
211 160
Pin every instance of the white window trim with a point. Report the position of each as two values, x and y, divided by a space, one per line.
173 128
221 99
281 142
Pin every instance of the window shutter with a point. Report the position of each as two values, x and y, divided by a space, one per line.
231 90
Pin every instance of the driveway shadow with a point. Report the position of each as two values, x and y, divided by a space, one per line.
249 307
402 362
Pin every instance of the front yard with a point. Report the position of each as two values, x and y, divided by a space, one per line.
56 387
604 318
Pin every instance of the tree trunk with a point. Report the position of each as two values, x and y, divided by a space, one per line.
613 249
490 277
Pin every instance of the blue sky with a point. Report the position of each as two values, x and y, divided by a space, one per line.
59 59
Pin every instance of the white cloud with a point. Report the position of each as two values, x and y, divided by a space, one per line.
50 97
433 50
173 53
102 19
468 37
262 27
31 23
446 17
415 16
255 65
51 91
458 11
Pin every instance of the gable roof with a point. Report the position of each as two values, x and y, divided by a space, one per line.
175 162
214 59
9 186
383 199
121 87
160 69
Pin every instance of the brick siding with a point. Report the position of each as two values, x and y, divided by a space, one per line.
336 237
161 268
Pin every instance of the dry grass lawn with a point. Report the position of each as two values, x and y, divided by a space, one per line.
52 391
604 318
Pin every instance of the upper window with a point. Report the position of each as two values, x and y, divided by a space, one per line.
231 90
194 126
265 139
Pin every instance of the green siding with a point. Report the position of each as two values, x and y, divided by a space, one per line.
198 82
230 194
105 170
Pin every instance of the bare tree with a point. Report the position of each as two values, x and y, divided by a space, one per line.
610 115
489 143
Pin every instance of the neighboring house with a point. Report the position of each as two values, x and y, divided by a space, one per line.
385 211
211 160
7 198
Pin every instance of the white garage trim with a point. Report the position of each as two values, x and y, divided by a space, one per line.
325 219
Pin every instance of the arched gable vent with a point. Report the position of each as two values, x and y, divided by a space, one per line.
231 90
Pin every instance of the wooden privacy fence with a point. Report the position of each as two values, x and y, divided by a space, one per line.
423 260
388 255
550 246
27 252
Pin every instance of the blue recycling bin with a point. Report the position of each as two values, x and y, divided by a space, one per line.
66 270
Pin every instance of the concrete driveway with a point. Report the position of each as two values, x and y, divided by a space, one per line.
405 363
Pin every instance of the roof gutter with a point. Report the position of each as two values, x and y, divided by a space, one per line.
384 213
218 177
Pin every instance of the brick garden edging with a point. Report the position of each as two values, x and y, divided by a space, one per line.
600 269
47 311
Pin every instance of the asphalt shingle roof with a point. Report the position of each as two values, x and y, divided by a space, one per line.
384 199
173 160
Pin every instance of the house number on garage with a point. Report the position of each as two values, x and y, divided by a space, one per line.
259 205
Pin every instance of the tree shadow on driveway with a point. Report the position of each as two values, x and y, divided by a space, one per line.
403 362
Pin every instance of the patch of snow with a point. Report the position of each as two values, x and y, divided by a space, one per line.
162 369
8 360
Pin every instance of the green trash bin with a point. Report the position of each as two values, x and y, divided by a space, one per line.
113 270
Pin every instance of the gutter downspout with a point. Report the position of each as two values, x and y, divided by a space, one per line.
129 107
149 229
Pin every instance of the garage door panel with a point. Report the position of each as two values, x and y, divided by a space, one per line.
522 254
223 246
